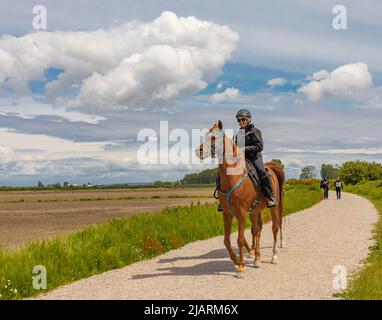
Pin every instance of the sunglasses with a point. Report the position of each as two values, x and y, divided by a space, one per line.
242 119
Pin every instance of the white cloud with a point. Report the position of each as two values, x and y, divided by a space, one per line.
276 82
229 94
27 108
345 81
319 75
135 64
348 151
220 85
39 154
6 153
375 98
57 148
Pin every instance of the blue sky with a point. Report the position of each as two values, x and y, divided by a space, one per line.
249 79
37 87
74 97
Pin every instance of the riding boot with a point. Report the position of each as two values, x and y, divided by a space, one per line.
268 190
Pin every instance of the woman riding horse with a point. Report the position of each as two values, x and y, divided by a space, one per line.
238 195
251 145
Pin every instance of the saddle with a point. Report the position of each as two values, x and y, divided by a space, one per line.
253 174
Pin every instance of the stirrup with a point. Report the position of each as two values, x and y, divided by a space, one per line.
219 207
271 203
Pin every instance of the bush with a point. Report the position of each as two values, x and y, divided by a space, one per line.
306 182
205 177
353 172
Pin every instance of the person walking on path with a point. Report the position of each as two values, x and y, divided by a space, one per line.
339 186
325 184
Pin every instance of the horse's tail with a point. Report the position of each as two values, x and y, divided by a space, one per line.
279 171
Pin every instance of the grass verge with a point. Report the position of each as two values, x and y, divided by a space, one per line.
120 242
367 283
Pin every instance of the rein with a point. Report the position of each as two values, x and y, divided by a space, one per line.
228 194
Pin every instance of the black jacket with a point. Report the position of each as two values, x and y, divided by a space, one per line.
325 184
253 142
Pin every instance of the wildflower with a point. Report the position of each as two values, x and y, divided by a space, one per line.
14 290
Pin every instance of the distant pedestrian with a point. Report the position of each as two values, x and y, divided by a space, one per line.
325 185
339 186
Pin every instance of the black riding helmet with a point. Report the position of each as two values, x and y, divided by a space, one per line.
244 113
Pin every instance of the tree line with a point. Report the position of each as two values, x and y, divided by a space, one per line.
350 172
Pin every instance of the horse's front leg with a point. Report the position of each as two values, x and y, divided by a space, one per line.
241 243
257 227
252 218
250 250
227 236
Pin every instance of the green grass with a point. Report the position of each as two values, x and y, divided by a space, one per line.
367 283
120 242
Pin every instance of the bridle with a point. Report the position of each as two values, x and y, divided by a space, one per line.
212 147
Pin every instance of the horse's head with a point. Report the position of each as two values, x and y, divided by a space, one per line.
213 143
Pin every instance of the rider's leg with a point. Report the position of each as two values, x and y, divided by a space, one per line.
266 182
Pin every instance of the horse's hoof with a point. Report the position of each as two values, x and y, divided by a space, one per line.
257 264
240 272
251 254
240 269
275 260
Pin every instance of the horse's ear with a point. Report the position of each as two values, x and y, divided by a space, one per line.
220 125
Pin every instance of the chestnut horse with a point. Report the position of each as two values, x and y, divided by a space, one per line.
237 193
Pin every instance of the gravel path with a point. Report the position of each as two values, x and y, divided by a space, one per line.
328 234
